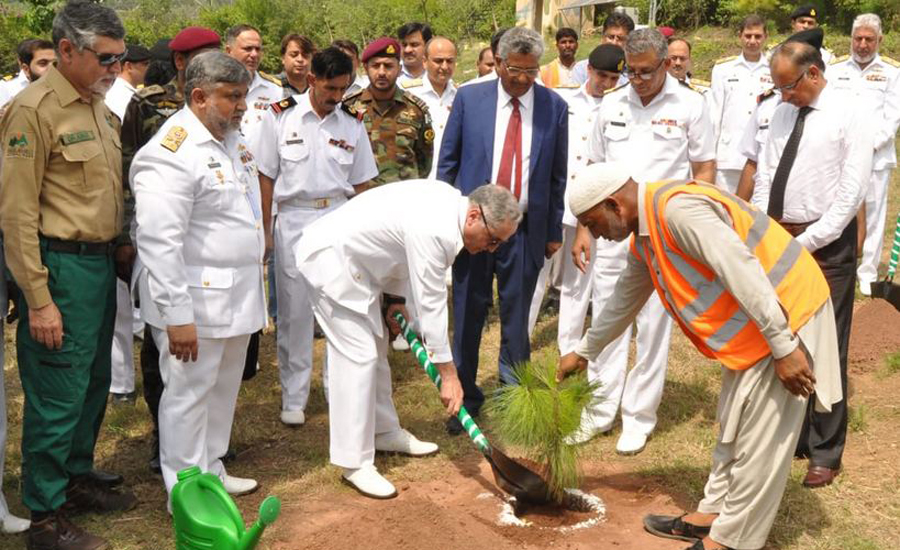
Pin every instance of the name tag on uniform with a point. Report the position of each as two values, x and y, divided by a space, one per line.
297 141
77 137
617 123
734 80
342 144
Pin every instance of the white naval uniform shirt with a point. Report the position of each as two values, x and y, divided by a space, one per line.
583 110
118 96
261 94
736 85
199 230
501 123
658 141
11 88
831 173
877 88
757 130
360 82
439 107
313 158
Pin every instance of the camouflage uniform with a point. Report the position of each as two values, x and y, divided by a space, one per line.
402 137
148 110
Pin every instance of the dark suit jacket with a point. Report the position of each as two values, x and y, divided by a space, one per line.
467 152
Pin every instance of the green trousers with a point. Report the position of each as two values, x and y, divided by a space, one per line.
66 389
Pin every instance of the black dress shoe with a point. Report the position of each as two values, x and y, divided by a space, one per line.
106 478
454 426
674 527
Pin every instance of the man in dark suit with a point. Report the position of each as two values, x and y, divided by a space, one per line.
512 133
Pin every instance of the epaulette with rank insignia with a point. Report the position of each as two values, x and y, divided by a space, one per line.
412 83
765 95
726 59
8 77
890 61
270 78
174 138
614 89
417 101
690 86
353 110
841 59
280 106
150 91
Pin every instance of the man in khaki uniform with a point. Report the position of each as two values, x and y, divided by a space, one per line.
60 212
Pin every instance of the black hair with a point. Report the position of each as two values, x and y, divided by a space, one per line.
618 19
331 63
414 27
566 32
25 50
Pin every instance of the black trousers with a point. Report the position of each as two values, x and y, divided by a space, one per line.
823 434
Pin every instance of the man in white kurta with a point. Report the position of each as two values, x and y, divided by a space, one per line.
662 128
392 241
312 158
200 237
872 81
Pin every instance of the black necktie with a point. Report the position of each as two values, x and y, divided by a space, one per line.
788 156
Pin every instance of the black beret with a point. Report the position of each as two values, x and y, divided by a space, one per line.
607 57
806 10
160 51
814 37
137 53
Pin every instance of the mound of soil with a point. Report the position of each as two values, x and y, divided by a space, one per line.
875 333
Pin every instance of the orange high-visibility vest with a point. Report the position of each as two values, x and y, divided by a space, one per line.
550 74
696 298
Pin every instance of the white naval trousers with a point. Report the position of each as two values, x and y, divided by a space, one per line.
728 179
360 404
196 409
574 294
295 321
876 210
548 276
123 342
639 390
760 424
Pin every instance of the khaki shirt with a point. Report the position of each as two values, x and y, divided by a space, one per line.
61 176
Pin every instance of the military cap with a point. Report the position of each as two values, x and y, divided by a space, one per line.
607 57
668 32
137 53
383 47
814 37
160 51
194 38
806 10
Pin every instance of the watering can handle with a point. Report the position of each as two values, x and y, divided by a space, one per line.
418 350
895 252
216 486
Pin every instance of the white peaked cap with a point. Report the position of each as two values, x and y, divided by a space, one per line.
594 184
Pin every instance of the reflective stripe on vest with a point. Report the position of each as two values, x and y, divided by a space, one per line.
698 300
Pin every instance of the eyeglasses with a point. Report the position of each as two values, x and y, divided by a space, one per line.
107 59
792 85
630 73
516 71
494 240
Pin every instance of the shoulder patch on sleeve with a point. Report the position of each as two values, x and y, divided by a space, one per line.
726 59
174 138
890 61
270 78
283 105
411 83
840 59
20 145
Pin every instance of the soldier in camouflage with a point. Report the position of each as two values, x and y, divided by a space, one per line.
398 122
148 110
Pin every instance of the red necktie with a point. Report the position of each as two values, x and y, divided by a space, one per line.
512 150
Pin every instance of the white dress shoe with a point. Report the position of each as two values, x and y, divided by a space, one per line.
400 343
293 418
631 443
238 486
401 441
369 482
12 524
587 431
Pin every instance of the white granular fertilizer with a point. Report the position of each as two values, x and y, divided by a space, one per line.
592 503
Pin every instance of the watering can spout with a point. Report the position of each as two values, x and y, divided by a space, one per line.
268 513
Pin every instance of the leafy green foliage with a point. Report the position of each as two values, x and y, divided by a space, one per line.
537 414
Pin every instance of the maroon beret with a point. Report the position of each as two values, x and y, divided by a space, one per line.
383 47
668 32
194 38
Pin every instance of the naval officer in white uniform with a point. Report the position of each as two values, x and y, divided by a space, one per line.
392 241
312 156
200 236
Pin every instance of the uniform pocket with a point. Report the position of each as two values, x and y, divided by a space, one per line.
616 131
664 131
210 290
86 155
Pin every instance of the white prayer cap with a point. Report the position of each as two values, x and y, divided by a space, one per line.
594 184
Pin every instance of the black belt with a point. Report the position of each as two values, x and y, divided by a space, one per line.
77 247
796 229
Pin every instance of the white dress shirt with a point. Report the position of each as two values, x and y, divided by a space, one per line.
658 141
736 85
118 96
877 88
501 123
400 239
11 88
199 230
439 107
583 111
260 95
830 175
757 129
310 157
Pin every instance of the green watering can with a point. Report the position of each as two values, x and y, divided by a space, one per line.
206 517
888 289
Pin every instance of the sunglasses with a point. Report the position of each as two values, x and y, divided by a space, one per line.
107 59
494 240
